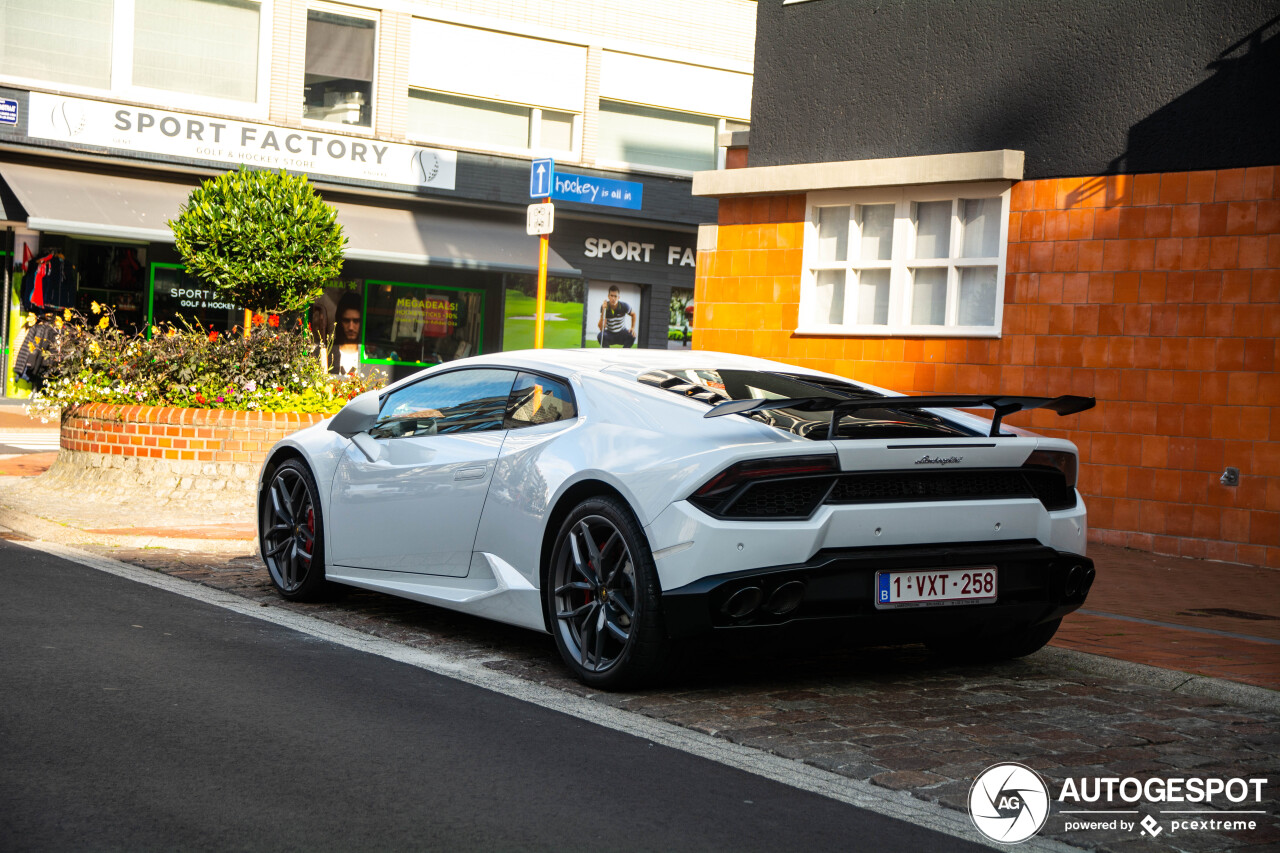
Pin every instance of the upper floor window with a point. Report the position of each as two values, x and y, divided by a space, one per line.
338 77
497 91
630 134
209 49
488 124
914 261
58 41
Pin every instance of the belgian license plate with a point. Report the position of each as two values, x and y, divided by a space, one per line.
935 587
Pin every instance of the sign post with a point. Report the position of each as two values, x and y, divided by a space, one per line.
541 220
540 306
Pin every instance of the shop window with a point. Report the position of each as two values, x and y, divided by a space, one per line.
57 41
562 328
195 48
198 47
183 300
644 136
338 79
680 322
921 261
115 276
411 324
488 124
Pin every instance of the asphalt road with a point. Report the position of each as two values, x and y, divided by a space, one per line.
135 719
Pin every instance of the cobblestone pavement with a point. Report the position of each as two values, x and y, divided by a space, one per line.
895 717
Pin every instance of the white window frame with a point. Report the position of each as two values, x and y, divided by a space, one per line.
122 27
365 14
535 148
902 260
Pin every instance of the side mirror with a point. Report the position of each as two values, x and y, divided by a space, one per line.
357 416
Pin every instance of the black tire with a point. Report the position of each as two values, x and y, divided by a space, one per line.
291 534
603 598
1015 643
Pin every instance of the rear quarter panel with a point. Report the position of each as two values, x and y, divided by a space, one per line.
651 448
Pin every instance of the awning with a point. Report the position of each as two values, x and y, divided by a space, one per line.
67 201
400 236
11 212
89 204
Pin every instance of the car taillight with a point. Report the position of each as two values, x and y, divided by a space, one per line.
1058 459
716 494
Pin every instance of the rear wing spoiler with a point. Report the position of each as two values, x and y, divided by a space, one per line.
839 407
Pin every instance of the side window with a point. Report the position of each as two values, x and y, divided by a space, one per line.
454 402
539 400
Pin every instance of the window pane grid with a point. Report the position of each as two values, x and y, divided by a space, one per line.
933 265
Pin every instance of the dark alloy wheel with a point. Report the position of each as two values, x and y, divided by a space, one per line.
603 597
291 534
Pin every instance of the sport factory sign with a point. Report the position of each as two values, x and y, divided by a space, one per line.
121 126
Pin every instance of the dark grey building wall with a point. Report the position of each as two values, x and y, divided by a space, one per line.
1084 87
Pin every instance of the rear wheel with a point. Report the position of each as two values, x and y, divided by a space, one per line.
291 534
1015 643
604 599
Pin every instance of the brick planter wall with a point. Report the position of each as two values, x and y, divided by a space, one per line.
167 453
1159 294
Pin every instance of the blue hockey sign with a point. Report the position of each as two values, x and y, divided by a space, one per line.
599 191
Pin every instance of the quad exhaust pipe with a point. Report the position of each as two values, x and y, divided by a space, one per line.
783 599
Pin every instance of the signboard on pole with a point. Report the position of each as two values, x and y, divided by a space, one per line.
599 191
541 219
541 174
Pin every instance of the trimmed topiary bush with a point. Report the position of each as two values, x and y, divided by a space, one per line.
265 240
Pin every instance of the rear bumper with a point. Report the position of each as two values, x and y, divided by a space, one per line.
1035 584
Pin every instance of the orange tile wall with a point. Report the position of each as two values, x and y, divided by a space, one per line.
1158 294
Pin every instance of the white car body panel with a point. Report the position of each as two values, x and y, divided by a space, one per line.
745 545
414 508
475 544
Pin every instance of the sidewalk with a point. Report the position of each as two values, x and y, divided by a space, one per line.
1216 620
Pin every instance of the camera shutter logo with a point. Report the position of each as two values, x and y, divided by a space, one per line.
1009 802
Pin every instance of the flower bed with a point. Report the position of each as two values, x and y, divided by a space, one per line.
274 368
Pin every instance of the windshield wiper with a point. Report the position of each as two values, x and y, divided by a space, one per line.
1068 404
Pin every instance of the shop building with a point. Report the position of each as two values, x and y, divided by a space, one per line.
419 121
992 198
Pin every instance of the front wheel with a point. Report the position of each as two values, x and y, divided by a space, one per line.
603 597
291 534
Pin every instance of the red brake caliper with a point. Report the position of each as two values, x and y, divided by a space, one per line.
311 526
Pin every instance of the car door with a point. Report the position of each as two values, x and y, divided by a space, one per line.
408 494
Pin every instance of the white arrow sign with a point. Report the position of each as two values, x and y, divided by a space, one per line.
540 172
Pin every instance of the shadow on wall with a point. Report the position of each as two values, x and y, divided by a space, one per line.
1233 115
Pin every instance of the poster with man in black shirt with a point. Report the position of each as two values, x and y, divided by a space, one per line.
617 324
